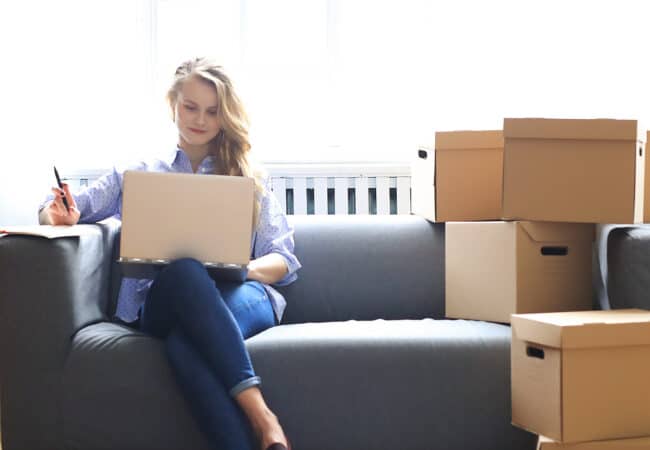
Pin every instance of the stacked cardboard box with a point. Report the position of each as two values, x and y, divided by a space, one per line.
461 178
520 208
520 222
495 269
580 379
574 170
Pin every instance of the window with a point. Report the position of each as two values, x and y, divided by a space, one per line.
334 80
324 80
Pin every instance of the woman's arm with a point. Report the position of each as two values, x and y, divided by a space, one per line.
267 269
92 204
273 261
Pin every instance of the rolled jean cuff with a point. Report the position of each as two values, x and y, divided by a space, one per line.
248 383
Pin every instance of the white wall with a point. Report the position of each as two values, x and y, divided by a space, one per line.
26 116
72 94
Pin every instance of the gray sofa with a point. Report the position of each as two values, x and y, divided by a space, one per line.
363 360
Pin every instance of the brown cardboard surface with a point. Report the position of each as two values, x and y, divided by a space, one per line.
480 270
495 269
584 329
536 399
640 182
642 443
583 129
464 140
596 363
461 178
554 282
571 170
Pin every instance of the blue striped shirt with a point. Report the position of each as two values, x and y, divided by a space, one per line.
103 199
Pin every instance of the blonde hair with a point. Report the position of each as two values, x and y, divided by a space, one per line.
231 146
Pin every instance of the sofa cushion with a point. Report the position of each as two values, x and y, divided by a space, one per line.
356 384
365 268
628 267
416 384
119 393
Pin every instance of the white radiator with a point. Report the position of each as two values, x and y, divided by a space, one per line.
318 188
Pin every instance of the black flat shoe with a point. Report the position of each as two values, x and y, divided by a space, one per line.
276 446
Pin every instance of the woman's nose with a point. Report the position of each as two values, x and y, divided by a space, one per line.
201 118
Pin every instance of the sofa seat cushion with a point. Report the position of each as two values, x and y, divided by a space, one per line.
119 393
390 384
354 384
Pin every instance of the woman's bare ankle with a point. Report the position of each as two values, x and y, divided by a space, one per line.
264 422
269 430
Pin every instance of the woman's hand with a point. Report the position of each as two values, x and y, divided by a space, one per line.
267 269
55 213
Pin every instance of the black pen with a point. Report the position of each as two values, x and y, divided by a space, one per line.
58 181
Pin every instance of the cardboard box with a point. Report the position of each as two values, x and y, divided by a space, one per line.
462 179
582 376
544 443
565 170
495 269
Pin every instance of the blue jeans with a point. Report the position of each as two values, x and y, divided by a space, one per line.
204 327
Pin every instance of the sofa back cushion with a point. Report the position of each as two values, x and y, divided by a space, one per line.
366 267
628 267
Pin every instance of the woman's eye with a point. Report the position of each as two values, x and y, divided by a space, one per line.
212 113
190 107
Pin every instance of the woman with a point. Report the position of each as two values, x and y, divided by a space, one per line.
204 323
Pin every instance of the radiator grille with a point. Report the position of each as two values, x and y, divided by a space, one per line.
343 195
324 189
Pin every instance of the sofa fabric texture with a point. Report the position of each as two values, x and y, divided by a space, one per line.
364 358
628 262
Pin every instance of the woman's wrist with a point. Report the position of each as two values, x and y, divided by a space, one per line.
267 269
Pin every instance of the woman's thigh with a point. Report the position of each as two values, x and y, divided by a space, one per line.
181 288
250 306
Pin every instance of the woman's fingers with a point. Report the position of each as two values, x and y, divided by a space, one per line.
68 196
57 202
58 213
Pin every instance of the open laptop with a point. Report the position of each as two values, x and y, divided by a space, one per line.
166 216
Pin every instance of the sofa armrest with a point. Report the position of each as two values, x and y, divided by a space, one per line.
49 289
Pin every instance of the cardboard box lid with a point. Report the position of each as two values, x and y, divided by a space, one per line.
642 443
584 329
559 232
588 129
469 140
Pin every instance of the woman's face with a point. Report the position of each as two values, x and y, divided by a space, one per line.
197 113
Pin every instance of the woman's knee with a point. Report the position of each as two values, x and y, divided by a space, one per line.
185 265
179 278
184 271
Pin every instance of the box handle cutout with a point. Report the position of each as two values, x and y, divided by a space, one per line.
555 251
535 352
640 151
422 154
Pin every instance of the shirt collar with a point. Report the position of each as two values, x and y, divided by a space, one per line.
172 157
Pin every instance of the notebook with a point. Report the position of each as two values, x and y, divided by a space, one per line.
166 216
